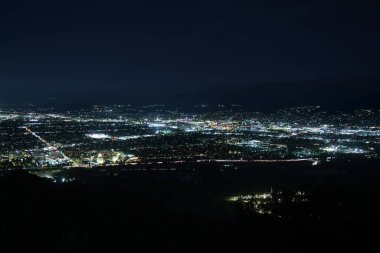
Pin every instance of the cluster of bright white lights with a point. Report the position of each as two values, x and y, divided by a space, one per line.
98 136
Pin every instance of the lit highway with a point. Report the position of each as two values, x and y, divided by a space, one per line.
49 145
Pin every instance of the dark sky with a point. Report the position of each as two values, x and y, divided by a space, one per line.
259 53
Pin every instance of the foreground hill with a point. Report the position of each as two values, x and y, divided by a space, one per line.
154 212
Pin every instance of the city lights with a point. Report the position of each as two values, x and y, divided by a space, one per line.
120 135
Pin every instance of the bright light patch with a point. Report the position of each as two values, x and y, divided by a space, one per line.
98 136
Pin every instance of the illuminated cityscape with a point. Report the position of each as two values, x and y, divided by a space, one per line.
37 137
189 126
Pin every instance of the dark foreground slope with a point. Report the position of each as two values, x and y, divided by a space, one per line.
149 214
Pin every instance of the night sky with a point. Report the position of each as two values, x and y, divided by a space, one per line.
262 54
